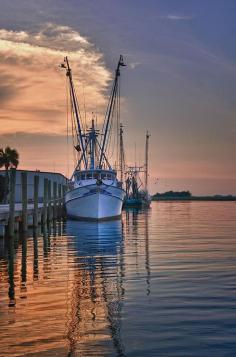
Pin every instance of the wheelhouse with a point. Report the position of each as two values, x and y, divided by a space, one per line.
95 175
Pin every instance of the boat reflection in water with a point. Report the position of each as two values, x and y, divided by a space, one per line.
116 289
96 238
64 285
95 297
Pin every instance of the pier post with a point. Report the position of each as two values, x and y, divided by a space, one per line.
2 230
36 263
49 201
54 200
12 202
36 201
23 287
45 198
11 291
59 200
24 201
64 189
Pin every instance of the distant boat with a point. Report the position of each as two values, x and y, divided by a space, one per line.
95 192
136 192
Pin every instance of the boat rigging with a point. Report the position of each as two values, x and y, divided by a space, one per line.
95 192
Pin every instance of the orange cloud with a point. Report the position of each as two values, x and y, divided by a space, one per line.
33 87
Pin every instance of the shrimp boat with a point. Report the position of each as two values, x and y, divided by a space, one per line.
137 195
95 193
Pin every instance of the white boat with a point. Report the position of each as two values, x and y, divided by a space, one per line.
95 192
96 195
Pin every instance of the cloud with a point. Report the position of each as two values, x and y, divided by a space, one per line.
60 35
33 87
6 92
47 152
8 87
133 65
13 35
176 17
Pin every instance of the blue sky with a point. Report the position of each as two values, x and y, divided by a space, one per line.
180 82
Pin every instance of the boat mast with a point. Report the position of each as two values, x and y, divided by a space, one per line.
76 110
146 161
92 146
110 109
122 154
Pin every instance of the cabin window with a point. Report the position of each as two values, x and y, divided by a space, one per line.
96 175
78 177
89 176
83 176
109 176
103 176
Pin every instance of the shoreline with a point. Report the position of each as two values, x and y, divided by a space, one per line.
196 198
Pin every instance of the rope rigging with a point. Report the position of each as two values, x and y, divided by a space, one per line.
89 149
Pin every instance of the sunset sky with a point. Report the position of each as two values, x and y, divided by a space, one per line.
179 83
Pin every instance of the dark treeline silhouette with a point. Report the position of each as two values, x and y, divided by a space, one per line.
186 195
173 195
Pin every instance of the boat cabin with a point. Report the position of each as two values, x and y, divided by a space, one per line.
95 175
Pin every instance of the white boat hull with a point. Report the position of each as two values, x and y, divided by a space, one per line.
94 202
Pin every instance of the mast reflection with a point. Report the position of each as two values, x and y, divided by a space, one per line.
147 255
137 226
95 301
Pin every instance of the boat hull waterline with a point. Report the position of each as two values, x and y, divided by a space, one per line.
94 202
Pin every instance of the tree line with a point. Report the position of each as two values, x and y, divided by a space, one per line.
173 194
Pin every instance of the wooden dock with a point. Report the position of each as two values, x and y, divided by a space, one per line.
20 216
5 211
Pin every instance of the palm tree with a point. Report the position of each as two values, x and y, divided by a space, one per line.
9 158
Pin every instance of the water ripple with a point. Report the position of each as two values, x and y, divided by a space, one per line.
161 282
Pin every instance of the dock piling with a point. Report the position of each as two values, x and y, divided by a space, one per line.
36 201
49 201
45 198
59 212
54 200
2 230
64 189
12 202
24 201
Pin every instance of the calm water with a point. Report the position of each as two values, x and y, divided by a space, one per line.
160 282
